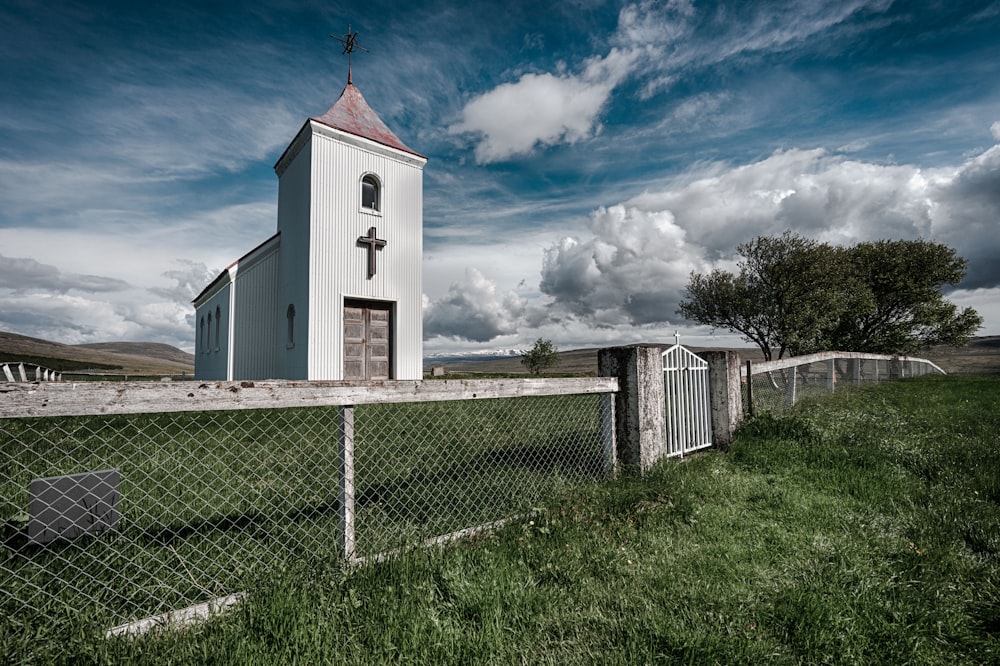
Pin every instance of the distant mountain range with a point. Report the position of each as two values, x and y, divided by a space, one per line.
482 355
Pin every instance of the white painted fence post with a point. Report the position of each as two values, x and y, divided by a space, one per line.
640 422
831 375
348 544
790 386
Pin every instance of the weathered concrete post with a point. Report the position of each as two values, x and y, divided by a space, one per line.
724 395
640 423
348 543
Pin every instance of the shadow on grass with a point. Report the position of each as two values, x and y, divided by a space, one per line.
560 457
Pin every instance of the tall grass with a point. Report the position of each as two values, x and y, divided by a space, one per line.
863 528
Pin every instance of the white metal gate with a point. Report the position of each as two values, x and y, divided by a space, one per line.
685 383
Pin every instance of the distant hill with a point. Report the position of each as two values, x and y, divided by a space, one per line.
980 356
148 349
125 358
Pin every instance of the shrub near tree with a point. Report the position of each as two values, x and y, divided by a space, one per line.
540 357
793 296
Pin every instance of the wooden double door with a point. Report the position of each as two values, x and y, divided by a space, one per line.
367 340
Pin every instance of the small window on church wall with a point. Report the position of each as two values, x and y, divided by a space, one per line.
204 342
370 193
218 325
208 338
290 315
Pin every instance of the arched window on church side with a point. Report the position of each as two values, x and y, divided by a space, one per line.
218 325
290 315
204 341
371 193
208 338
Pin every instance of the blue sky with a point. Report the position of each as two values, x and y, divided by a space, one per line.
584 156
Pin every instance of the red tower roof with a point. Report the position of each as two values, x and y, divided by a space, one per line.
352 114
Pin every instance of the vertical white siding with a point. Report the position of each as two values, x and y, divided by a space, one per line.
339 266
315 263
211 361
294 211
255 321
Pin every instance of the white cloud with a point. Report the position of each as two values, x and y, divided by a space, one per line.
635 263
25 275
631 270
545 109
43 301
541 109
474 310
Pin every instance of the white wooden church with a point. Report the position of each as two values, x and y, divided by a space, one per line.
336 293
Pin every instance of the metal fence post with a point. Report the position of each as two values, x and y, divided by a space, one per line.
348 544
606 405
790 386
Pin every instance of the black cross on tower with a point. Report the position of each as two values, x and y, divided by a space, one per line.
373 244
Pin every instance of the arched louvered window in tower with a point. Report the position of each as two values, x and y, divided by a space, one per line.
371 193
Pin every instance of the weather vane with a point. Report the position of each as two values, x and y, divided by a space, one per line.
350 42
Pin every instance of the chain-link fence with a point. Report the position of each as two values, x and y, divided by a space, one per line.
776 386
117 517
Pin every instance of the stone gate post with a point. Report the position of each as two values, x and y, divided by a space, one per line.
725 395
640 424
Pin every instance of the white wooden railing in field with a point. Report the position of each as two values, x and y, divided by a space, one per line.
28 372
778 385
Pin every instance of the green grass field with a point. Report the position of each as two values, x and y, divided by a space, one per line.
861 528
211 501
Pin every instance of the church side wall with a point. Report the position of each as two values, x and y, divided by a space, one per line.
211 359
255 331
294 187
338 222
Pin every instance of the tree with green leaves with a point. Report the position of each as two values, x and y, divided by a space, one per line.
793 295
905 309
788 295
540 357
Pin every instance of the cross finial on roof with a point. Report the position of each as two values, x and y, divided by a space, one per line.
350 42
